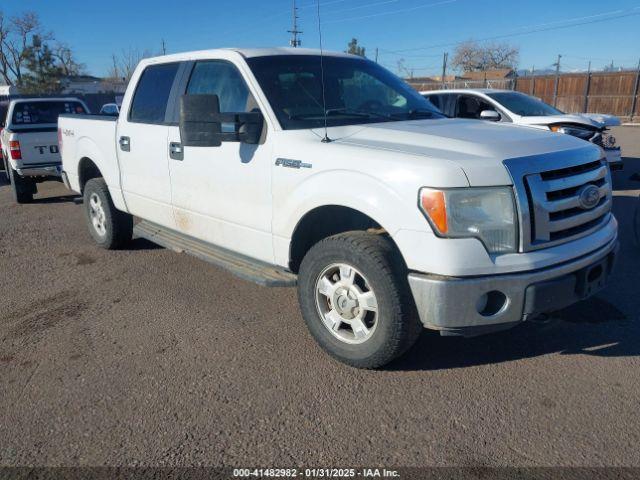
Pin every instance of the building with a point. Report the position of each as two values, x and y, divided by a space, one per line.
87 84
7 91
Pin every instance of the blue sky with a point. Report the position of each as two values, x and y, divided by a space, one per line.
417 30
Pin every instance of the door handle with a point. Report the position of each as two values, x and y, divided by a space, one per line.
175 151
125 144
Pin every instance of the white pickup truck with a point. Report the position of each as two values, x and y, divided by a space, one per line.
390 219
29 142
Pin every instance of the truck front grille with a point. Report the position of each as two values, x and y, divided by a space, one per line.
561 202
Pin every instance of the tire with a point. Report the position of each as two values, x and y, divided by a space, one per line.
365 263
110 228
23 188
636 223
6 167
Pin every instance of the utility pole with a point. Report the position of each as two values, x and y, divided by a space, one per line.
164 48
587 87
445 58
533 80
295 42
555 88
634 100
376 54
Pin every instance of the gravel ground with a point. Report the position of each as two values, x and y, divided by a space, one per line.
148 357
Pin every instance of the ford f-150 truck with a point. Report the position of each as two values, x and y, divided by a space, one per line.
29 141
288 167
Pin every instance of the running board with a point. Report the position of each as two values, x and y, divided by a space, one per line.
239 265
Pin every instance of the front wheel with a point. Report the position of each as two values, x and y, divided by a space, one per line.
355 299
109 227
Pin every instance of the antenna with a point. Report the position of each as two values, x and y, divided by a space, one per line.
326 138
295 41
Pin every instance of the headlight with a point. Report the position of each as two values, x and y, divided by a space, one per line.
583 133
488 214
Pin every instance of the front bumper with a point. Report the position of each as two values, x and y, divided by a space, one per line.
40 170
471 306
614 158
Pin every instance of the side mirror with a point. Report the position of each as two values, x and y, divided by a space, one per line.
490 115
201 123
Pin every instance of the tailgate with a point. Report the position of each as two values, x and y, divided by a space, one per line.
39 147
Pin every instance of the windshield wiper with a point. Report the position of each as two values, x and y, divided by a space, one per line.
419 112
357 113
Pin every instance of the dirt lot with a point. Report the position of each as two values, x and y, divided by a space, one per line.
147 357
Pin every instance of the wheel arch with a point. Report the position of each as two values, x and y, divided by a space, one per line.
327 220
87 169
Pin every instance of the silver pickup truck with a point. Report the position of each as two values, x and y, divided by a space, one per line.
29 141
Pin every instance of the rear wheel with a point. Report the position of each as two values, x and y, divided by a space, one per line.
109 227
23 188
355 299
6 167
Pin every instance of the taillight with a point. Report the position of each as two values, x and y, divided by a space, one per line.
60 141
14 150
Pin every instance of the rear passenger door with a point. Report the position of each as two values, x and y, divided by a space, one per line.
142 145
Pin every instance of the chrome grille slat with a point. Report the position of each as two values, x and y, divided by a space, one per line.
579 219
548 189
554 206
575 180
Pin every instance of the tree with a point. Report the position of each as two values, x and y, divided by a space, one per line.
64 57
471 56
43 73
354 49
124 64
27 59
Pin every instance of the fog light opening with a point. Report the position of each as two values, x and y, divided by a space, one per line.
594 274
491 303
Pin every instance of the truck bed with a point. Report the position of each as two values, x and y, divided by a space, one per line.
89 137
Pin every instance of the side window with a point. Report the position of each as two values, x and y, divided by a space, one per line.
435 100
471 107
218 77
152 93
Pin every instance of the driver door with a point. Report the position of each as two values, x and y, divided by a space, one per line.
222 195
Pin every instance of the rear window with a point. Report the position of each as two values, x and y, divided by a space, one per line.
36 113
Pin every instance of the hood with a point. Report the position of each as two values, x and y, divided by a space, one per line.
478 148
594 120
606 120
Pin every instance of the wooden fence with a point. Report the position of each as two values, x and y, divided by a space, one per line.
615 93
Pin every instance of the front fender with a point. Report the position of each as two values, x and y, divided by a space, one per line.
391 209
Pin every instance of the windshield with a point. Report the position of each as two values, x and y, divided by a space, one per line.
524 105
357 91
35 113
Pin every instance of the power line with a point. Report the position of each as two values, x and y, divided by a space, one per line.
392 12
627 13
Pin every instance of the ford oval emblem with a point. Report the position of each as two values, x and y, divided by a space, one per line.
589 197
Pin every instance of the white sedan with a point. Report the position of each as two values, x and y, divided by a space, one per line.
521 109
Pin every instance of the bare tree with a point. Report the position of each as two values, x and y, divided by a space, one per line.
124 64
471 56
15 34
64 57
403 70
